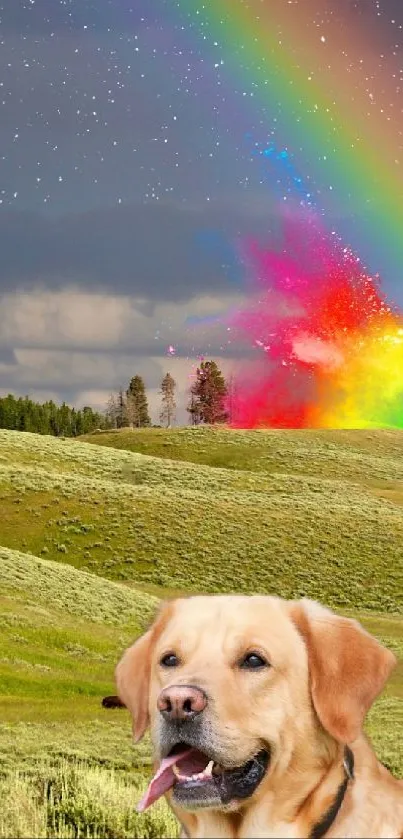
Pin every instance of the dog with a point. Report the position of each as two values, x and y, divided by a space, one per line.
256 707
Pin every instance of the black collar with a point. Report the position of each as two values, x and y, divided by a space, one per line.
320 828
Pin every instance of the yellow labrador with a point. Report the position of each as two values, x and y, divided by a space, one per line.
256 707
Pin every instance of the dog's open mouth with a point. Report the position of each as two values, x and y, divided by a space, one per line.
197 781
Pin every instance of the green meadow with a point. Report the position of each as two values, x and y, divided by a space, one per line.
94 532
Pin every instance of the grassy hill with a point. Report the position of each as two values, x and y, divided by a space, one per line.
66 761
295 514
91 536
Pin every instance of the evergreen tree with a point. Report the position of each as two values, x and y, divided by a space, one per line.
53 419
64 418
8 412
208 395
168 386
136 404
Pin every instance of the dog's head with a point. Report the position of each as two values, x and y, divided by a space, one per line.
233 687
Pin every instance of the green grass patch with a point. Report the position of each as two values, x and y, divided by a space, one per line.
176 525
62 631
345 454
93 535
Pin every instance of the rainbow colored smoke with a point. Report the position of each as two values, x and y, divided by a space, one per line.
330 348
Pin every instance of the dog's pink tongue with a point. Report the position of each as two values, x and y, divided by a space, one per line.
162 781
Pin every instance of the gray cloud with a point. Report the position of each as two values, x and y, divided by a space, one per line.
54 369
72 321
80 346
7 356
159 251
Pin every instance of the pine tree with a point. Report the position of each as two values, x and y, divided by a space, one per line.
136 404
65 420
53 419
208 395
168 386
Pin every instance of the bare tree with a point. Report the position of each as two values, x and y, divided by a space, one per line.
112 410
116 409
123 421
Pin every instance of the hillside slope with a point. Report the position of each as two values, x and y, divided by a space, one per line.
316 518
62 631
66 764
340 453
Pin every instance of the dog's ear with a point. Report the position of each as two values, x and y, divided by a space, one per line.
348 668
132 674
132 677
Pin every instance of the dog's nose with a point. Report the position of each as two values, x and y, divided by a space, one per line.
181 702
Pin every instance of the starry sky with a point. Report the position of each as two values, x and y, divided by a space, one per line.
133 156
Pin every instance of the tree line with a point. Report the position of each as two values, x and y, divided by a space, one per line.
128 408
22 414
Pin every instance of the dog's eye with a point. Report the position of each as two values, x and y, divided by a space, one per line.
252 661
169 660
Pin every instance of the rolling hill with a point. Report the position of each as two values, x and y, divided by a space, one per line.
92 535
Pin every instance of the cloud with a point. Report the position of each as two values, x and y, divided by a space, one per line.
80 321
7 356
79 347
152 251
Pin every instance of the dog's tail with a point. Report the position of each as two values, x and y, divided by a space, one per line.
112 702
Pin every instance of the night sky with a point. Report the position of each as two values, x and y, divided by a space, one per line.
128 169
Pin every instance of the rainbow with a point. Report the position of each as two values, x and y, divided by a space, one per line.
338 136
329 346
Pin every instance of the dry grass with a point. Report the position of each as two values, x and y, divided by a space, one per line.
72 800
